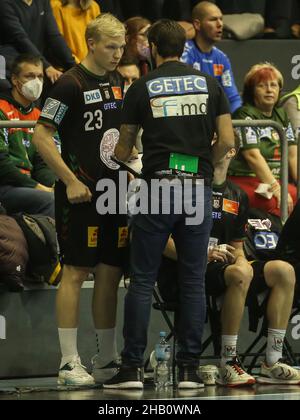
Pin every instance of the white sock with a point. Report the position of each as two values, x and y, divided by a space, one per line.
68 344
274 346
107 344
229 343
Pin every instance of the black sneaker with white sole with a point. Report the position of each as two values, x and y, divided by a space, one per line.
126 378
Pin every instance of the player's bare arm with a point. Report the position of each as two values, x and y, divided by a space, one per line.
77 192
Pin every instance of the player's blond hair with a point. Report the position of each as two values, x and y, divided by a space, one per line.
104 24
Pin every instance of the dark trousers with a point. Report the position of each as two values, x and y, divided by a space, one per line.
150 234
27 200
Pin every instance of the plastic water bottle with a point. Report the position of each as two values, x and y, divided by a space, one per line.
162 357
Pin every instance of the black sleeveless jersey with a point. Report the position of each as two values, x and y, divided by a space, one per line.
230 208
85 109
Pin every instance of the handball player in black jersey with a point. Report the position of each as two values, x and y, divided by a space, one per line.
229 274
84 107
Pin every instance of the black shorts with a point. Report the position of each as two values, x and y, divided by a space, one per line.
215 280
86 238
258 284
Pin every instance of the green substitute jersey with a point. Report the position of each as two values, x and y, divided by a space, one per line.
265 139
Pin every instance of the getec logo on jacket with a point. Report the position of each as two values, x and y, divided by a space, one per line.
2 328
178 96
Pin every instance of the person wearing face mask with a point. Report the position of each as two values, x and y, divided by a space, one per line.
25 180
137 42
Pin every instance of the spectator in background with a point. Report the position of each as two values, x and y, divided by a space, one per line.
295 18
28 26
277 16
259 159
72 17
25 180
188 28
203 55
112 6
137 44
275 12
291 103
129 68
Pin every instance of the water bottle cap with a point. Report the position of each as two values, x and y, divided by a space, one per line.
162 334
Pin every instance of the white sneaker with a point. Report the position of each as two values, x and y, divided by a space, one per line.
74 373
233 375
103 371
279 373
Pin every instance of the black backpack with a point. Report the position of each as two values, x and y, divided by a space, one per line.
39 231
13 254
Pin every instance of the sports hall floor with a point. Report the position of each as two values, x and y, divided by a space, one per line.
46 389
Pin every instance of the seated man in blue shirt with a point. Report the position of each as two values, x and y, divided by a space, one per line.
201 53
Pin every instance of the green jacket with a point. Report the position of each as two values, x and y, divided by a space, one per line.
265 139
295 93
20 164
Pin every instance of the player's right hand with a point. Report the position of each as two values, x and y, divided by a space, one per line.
221 253
77 192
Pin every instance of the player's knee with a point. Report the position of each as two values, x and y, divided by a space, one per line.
280 273
75 276
241 276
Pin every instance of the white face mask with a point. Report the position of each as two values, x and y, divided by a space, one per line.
32 89
143 50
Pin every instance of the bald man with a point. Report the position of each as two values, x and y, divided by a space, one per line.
201 53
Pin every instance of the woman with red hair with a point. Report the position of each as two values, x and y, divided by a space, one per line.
259 159
137 44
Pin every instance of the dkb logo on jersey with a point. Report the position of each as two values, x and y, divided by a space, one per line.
92 96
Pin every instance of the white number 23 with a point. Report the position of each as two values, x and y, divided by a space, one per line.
94 120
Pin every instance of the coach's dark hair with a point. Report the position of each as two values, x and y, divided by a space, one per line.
24 58
168 37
